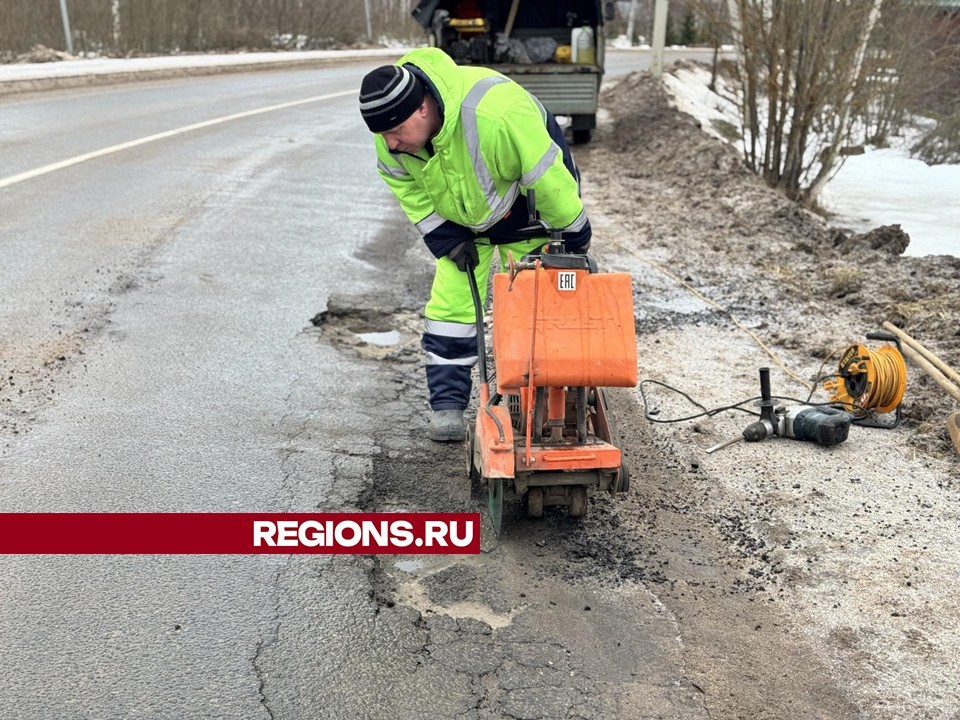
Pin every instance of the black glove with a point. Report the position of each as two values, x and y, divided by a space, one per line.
465 255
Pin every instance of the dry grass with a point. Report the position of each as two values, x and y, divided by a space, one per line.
789 275
916 311
781 272
727 130
844 280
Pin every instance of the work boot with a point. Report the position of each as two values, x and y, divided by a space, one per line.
447 426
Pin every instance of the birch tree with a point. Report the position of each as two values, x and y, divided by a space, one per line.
800 71
851 84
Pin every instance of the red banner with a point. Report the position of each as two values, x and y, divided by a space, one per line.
239 533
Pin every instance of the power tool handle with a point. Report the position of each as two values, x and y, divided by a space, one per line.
822 425
765 384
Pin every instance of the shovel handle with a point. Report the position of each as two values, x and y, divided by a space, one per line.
910 342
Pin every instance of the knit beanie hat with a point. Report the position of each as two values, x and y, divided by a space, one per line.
388 96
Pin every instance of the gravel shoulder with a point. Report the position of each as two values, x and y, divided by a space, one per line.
806 581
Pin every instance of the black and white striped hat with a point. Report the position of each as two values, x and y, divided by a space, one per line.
388 96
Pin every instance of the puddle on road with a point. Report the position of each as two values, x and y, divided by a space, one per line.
378 337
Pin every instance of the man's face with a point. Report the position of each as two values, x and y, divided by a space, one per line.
411 135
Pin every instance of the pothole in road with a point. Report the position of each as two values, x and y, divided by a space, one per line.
464 587
378 329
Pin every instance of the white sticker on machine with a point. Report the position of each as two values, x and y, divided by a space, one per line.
567 281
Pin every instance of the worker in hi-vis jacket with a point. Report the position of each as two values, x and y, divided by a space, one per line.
460 146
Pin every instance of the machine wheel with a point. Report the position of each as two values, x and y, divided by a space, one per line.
578 501
535 502
611 434
624 481
581 137
471 445
495 503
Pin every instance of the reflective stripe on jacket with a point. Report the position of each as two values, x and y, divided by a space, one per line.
492 146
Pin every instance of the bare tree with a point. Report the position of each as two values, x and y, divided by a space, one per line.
817 76
714 29
799 66
938 97
850 84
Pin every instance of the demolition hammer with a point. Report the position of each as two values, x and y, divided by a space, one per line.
823 425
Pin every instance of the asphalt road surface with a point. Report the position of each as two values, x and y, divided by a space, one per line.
157 354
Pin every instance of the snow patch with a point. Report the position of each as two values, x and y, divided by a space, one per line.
883 186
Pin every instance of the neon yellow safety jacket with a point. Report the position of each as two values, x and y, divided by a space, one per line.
496 142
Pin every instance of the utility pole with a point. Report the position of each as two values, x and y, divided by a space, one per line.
66 25
115 11
366 7
631 19
659 37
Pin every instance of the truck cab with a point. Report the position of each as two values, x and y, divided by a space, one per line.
554 49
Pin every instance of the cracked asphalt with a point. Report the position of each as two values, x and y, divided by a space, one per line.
181 331
163 350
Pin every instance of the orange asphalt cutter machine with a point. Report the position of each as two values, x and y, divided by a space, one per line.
561 333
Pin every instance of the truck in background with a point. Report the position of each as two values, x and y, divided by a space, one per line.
554 48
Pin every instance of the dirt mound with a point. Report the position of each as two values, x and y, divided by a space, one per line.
890 239
681 196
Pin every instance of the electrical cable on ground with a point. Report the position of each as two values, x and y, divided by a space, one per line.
888 370
649 414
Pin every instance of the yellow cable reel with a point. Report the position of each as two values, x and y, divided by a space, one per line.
869 380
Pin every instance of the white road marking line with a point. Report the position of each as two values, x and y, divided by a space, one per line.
14 179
